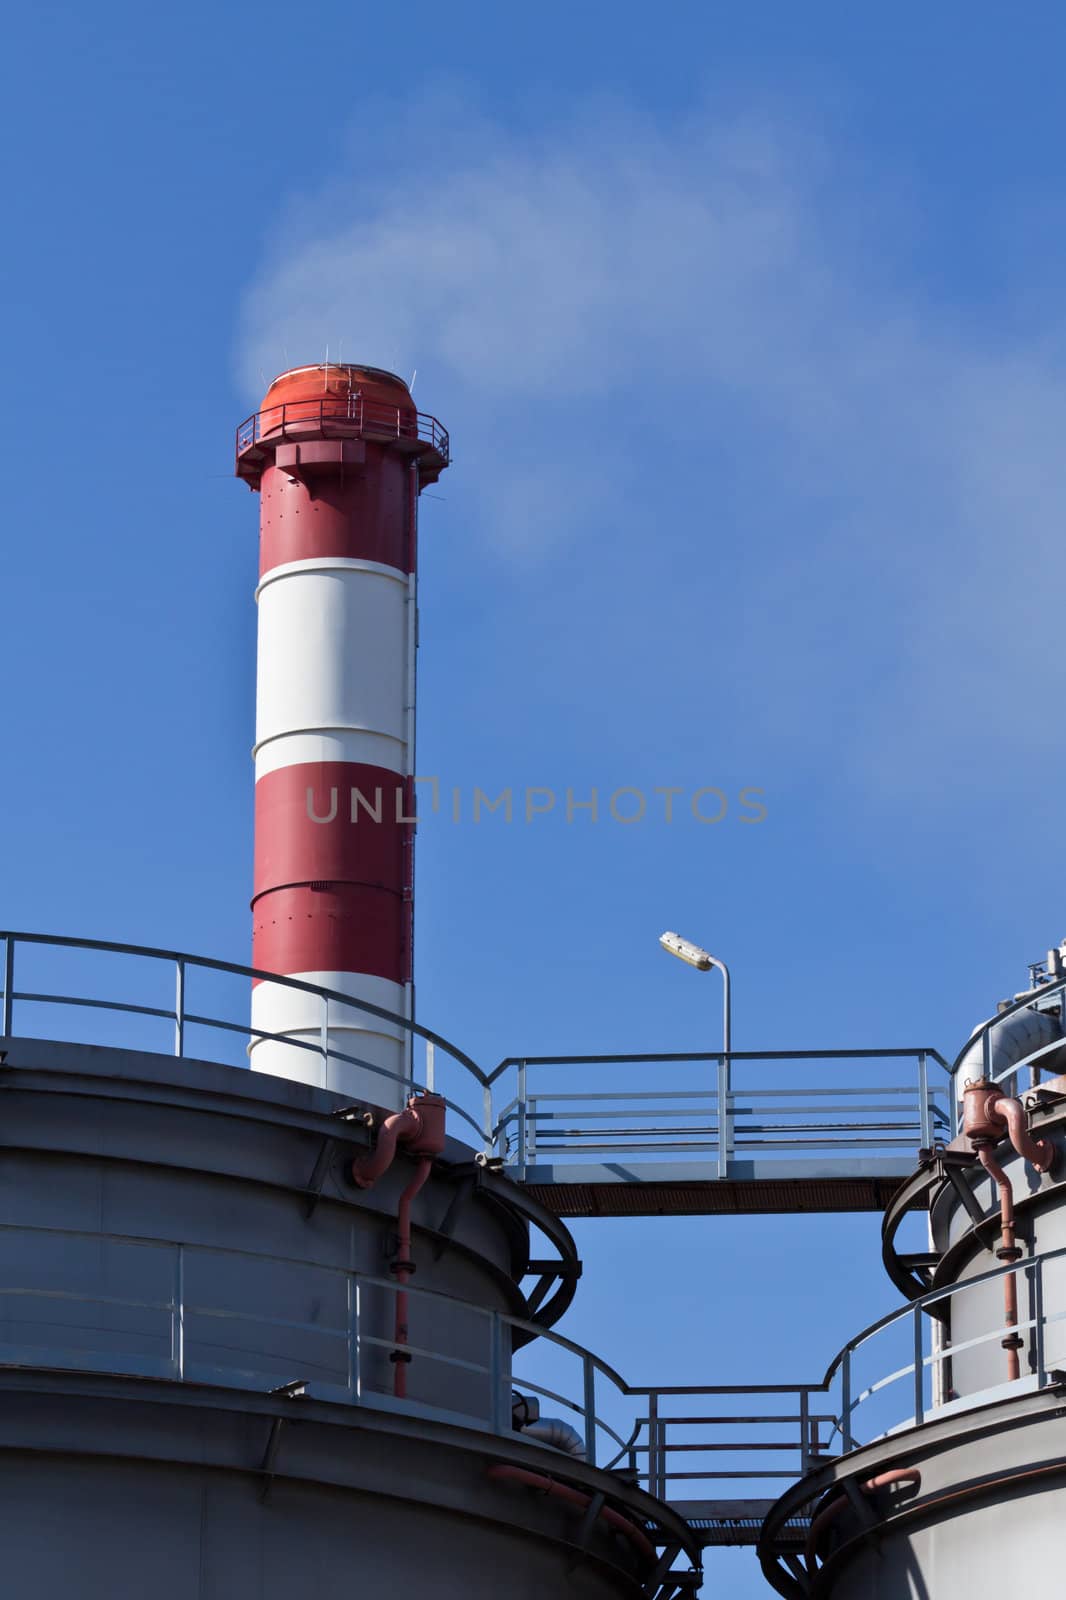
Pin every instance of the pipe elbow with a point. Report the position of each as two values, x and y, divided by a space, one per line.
366 1170
1040 1153
420 1127
989 1115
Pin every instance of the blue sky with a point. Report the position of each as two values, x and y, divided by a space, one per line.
747 325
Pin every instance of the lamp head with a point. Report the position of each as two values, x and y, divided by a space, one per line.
685 950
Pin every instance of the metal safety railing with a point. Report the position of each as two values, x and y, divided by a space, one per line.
719 1120
900 1372
929 1380
660 1108
1023 1072
222 1337
212 1314
350 415
903 1370
942 1376
687 1449
188 1023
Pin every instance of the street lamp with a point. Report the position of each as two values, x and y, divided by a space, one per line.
703 961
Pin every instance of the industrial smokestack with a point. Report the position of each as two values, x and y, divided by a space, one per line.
339 455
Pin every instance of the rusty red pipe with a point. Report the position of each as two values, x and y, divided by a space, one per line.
405 1125
403 1267
1008 1251
888 1480
1038 1152
575 1497
988 1115
883 1480
420 1128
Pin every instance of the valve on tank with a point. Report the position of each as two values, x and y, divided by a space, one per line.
988 1115
980 1121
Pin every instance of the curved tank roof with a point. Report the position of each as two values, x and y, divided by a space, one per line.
338 380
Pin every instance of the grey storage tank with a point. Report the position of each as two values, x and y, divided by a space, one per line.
952 1412
207 1388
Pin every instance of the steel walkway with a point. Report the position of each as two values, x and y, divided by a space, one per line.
723 1523
751 1132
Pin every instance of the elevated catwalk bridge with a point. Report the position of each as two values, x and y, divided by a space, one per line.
838 1131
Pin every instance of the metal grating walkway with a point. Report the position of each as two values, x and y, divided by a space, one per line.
567 1192
721 1523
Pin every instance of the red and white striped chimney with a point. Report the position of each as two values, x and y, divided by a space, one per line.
339 455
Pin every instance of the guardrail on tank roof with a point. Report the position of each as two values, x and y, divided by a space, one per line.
348 416
531 1113
176 972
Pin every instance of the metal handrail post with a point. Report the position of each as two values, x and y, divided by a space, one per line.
919 1386
938 1358
499 1423
9 984
487 1119
590 1409
846 1439
177 1316
179 1009
355 1376
725 1117
925 1110
805 1429
653 1444
325 1034
521 1121
1036 1285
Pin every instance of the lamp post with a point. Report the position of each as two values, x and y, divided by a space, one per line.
703 961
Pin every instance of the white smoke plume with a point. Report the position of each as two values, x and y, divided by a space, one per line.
696 384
